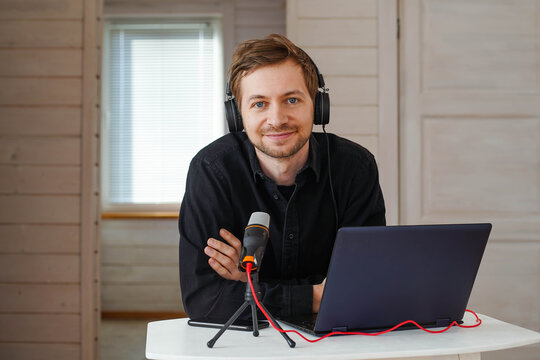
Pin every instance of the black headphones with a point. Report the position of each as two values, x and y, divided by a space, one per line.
321 114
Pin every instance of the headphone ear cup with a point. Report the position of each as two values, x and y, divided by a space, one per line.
234 119
322 109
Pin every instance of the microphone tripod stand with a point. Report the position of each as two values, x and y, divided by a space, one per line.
249 300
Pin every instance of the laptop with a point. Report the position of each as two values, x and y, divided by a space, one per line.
381 276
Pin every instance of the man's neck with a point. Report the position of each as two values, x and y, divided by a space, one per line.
283 170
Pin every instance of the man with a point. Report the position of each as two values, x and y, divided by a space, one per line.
280 167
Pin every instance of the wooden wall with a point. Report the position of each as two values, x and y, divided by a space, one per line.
48 94
140 256
492 68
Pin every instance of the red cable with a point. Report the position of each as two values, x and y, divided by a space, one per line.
248 270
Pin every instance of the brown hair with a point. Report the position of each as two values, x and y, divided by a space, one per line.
252 54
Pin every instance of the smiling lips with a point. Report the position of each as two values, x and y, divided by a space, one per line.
279 136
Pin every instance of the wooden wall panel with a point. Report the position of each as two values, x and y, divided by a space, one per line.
40 62
58 239
31 351
354 120
53 328
36 268
40 91
352 90
40 150
337 8
57 121
337 32
41 9
354 61
250 23
40 33
39 179
139 274
41 163
28 209
156 297
40 298
147 255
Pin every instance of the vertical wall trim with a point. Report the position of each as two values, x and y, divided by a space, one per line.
89 246
388 157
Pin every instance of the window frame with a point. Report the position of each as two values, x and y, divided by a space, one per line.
218 128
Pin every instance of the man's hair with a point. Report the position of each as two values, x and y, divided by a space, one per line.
274 49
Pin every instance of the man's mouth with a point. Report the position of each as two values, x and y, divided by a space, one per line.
279 136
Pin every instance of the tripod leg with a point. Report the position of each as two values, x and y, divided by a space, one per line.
285 336
235 316
254 318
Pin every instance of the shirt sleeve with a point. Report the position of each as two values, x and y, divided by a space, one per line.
207 207
365 202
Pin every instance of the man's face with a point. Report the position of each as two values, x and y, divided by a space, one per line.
276 109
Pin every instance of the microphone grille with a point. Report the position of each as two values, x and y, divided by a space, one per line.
260 218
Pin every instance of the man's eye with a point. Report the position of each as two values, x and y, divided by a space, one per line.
258 104
293 100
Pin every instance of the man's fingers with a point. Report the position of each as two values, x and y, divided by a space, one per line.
224 260
218 268
223 248
231 239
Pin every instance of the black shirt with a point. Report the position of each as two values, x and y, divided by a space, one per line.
225 185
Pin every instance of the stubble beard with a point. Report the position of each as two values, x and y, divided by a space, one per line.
281 154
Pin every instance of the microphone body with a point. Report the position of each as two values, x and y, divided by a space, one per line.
256 237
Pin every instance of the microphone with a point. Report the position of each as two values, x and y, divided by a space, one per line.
256 236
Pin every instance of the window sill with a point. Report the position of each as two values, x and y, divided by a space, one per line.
139 215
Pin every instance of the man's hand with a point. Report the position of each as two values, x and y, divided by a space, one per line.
317 295
224 258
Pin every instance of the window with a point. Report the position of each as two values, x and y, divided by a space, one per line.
162 102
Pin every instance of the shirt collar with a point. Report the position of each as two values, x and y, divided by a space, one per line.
313 161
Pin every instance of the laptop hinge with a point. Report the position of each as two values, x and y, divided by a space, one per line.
340 328
442 322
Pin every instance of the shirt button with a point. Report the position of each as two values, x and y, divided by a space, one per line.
291 236
276 196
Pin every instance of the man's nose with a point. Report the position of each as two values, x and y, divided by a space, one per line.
277 115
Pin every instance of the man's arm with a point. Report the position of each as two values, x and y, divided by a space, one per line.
211 288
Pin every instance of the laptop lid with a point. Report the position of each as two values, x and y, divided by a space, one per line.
381 276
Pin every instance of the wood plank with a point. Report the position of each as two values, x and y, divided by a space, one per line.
147 255
252 17
243 33
41 9
345 61
352 90
137 232
40 62
139 274
354 120
39 298
40 33
40 91
27 209
39 180
40 121
337 8
141 298
337 32
260 4
58 239
58 328
32 351
40 150
34 268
